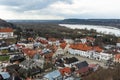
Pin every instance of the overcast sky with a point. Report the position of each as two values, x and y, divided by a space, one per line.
59 9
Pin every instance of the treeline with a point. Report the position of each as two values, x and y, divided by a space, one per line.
43 30
103 22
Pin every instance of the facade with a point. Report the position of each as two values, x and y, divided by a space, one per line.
6 32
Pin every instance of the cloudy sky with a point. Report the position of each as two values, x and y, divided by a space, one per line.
59 9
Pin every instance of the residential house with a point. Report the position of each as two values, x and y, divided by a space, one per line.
90 39
93 67
42 41
27 45
80 49
6 32
83 40
4 76
81 68
117 58
59 63
105 56
84 50
69 62
18 58
31 68
53 41
66 71
55 75
59 51
118 44
69 41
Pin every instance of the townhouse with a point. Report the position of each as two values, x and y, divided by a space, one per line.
92 52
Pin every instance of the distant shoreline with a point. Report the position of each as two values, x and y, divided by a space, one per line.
103 29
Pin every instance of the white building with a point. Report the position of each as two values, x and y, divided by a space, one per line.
93 53
6 32
118 44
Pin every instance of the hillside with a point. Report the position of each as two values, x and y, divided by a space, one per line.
4 23
104 22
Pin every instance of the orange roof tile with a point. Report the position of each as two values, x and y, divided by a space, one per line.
48 56
80 46
63 45
117 56
65 70
97 48
6 29
29 52
43 41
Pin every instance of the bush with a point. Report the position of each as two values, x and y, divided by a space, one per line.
4 51
4 58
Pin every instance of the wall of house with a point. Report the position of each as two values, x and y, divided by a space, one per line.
6 34
91 54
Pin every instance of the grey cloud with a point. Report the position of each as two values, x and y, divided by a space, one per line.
27 5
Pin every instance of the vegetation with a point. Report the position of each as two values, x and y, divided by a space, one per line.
4 58
103 22
4 51
105 74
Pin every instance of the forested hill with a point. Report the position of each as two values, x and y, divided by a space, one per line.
105 22
4 23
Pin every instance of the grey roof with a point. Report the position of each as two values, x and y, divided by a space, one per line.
82 64
5 75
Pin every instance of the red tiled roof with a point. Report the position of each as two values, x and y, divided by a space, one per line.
85 47
80 46
97 49
29 52
43 41
65 70
55 48
6 30
63 45
49 55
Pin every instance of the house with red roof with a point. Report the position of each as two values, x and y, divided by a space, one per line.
84 50
6 32
59 51
29 52
80 49
81 68
117 58
66 71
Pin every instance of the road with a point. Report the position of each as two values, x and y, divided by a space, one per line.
90 61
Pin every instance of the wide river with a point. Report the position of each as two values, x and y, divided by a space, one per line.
102 29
